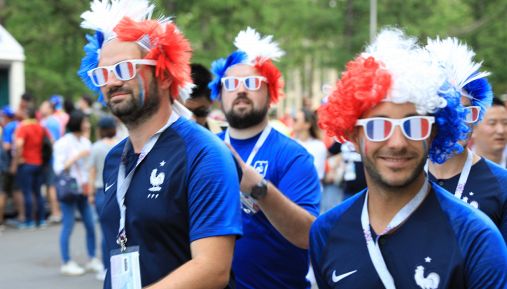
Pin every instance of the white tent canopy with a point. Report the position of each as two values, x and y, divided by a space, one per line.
10 49
12 59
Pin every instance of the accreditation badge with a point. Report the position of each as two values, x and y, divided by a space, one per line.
125 269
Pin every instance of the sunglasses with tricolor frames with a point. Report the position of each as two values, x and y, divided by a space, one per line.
231 83
123 70
378 129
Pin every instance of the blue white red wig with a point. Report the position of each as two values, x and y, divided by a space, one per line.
395 69
457 60
254 50
129 21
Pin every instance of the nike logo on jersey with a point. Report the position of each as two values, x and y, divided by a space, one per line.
108 187
340 277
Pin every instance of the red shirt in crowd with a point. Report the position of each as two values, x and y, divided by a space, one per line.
32 134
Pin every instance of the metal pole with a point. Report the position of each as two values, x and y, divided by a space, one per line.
373 19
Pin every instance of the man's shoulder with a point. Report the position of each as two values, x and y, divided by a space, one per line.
327 221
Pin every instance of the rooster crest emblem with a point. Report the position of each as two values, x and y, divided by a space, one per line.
429 282
156 180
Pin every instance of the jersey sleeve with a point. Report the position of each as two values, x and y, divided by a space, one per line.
317 245
486 263
213 193
300 182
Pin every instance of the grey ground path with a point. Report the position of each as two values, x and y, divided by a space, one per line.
31 259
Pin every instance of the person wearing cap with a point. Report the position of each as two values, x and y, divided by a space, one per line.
100 149
280 190
473 179
199 102
171 210
403 231
11 187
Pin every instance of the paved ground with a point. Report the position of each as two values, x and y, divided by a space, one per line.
31 259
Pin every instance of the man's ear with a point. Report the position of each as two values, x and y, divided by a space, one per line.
353 137
166 83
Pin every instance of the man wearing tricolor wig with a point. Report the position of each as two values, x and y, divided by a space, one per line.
403 231
171 212
280 191
473 179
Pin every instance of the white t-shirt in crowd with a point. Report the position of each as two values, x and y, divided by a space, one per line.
319 152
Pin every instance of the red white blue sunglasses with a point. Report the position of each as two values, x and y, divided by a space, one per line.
472 113
231 83
378 129
123 70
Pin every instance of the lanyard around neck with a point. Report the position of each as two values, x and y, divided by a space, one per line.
400 217
124 181
257 146
464 175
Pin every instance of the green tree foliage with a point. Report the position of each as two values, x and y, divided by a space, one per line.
324 33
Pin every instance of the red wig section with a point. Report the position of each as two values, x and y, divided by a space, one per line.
363 84
274 76
169 48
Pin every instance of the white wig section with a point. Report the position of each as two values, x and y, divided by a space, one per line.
456 58
415 78
186 91
250 42
104 15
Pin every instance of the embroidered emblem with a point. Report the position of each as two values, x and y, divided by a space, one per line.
474 204
261 167
429 282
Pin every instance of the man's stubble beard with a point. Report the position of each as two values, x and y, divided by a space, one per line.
379 180
248 119
132 112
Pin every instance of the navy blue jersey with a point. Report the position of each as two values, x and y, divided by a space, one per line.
444 244
185 189
263 258
485 189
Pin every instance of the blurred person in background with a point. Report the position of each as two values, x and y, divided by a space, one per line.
199 102
10 185
52 125
28 161
70 154
99 151
489 137
306 134
57 103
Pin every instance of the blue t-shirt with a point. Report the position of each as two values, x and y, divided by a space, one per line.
9 129
485 189
185 189
54 127
263 258
444 243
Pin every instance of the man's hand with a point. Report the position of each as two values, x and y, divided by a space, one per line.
250 176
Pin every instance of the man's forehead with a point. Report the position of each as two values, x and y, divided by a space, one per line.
391 110
241 70
115 51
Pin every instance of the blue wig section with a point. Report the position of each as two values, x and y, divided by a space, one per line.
219 67
451 127
482 94
90 61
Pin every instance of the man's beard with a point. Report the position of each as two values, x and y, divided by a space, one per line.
247 119
379 180
133 111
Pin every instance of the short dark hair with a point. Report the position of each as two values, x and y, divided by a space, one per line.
31 112
201 78
311 118
76 119
87 99
109 132
497 101
27 96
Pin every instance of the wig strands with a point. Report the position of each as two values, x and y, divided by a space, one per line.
457 60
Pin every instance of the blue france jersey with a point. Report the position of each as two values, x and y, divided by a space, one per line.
444 244
485 189
263 258
185 189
